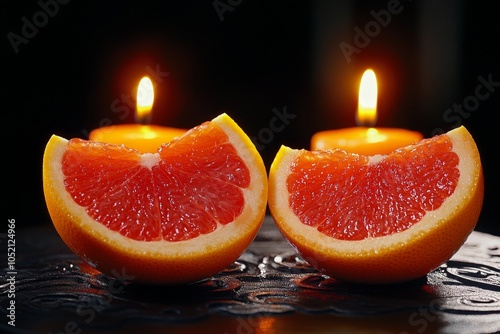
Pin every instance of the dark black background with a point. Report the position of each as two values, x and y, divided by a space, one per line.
262 55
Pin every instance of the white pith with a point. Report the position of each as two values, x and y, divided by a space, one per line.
149 160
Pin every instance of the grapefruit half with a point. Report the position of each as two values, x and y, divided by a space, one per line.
379 219
176 216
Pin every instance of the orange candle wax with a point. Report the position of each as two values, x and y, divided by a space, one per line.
144 138
366 140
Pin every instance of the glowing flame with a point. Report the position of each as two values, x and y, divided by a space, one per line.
145 98
367 103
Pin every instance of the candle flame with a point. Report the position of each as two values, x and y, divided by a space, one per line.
145 98
367 100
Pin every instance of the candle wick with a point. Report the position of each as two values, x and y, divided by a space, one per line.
143 119
365 123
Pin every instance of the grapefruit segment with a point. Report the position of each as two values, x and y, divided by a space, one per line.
379 219
176 216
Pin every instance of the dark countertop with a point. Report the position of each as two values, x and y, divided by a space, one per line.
268 290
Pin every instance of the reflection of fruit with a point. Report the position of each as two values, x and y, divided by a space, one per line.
176 216
379 219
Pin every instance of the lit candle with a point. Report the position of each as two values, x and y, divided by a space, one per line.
365 139
141 136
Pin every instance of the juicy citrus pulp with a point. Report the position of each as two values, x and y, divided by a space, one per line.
176 216
379 219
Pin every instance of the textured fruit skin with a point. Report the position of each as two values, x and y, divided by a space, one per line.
162 263
401 257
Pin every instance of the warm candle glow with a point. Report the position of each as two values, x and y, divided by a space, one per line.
143 137
145 99
365 138
367 100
